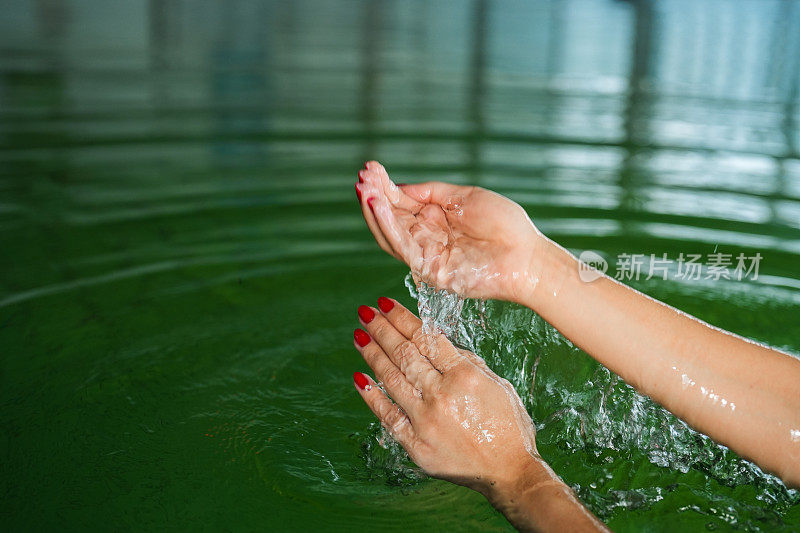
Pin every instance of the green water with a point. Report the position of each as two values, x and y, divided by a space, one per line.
182 254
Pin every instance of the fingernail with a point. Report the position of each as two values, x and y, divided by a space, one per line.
369 202
385 304
358 191
361 381
366 314
362 337
365 166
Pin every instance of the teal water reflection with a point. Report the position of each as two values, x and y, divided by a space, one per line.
183 255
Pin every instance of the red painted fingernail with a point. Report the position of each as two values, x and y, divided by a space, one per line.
358 191
360 380
369 202
385 304
365 166
366 314
362 337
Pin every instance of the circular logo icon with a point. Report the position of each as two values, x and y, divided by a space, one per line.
591 266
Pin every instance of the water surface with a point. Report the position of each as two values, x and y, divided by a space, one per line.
183 254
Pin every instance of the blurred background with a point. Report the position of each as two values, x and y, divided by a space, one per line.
182 253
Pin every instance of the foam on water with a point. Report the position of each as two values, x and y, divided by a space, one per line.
594 418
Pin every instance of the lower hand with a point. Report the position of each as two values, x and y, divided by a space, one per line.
456 419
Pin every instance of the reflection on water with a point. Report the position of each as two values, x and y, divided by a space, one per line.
182 247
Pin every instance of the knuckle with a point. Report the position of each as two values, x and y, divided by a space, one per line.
381 327
385 411
393 379
404 353
467 378
422 341
418 337
371 354
397 424
434 397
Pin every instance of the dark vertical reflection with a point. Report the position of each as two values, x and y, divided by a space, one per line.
638 105
785 60
371 44
790 53
239 83
162 16
50 84
477 76
555 38
555 62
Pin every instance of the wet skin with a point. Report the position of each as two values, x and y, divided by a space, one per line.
482 245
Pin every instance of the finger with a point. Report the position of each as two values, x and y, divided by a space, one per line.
390 415
376 173
402 352
393 211
395 224
394 381
364 196
434 346
401 318
436 192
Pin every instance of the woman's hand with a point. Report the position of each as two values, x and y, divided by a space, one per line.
465 239
459 421
456 419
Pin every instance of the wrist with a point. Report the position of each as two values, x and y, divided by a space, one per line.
504 493
549 266
528 499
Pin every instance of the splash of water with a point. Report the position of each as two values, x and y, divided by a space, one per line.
585 412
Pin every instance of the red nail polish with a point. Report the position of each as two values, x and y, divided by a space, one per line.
369 202
365 166
385 304
360 380
366 314
358 191
362 337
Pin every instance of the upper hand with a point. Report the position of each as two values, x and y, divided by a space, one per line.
465 239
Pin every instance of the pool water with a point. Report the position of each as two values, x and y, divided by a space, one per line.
182 253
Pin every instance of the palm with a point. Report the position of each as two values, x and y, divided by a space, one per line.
470 244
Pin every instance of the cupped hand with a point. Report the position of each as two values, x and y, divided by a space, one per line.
456 419
467 240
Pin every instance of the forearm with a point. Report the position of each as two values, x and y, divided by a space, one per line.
540 501
741 394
